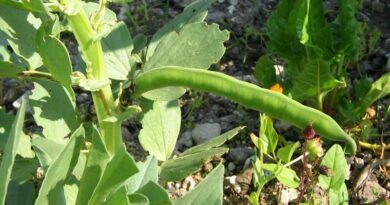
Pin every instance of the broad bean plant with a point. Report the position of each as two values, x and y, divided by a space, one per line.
75 161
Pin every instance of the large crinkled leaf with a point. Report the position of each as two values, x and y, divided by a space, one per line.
209 191
148 171
379 89
314 81
21 194
283 42
55 58
118 170
161 125
9 70
10 148
96 163
195 12
54 110
335 160
196 45
20 29
52 189
178 168
265 72
215 142
117 47
346 28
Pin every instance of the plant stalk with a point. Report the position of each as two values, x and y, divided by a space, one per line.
103 99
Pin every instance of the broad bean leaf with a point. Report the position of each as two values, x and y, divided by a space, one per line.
338 197
20 29
24 169
265 72
148 172
335 160
215 142
193 13
379 89
117 47
55 58
10 148
161 125
112 179
209 191
314 81
21 194
196 45
284 175
285 153
97 160
52 189
138 199
46 150
178 168
57 120
155 193
119 197
6 121
9 70
24 147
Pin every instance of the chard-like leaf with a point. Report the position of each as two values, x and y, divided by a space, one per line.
265 72
161 126
8 157
379 89
209 191
314 82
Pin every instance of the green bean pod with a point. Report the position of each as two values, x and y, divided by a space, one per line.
272 103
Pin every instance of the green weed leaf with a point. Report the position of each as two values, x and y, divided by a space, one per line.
335 160
284 175
285 153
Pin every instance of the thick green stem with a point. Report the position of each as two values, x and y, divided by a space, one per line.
103 99
272 103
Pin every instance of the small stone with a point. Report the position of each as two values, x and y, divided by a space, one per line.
287 195
204 132
185 140
126 135
231 166
83 98
233 2
240 154
378 6
189 183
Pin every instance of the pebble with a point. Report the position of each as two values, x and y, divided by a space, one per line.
231 166
126 135
240 154
185 140
204 132
371 192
